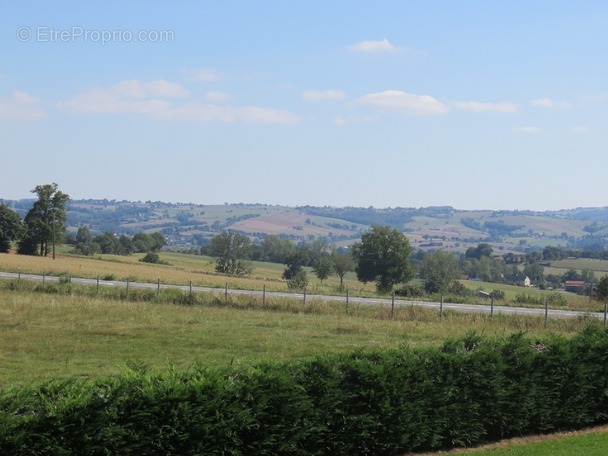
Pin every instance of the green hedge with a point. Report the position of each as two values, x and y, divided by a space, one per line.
464 393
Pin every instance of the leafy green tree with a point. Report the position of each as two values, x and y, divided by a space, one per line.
11 227
44 222
108 243
439 271
159 241
231 252
342 263
483 249
535 272
382 257
84 242
294 264
275 249
322 268
143 242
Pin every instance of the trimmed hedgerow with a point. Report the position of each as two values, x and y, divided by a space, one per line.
468 391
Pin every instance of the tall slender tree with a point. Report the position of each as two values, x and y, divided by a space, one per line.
45 221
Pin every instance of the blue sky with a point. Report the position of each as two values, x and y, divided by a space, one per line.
473 104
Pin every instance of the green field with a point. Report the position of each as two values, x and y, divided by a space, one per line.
71 332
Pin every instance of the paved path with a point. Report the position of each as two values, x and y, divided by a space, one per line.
470 308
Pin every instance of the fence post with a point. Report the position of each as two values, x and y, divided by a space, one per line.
97 291
441 307
127 287
158 287
264 295
492 308
605 311
226 293
347 301
546 311
393 305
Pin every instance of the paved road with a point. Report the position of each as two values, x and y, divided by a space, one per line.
471 308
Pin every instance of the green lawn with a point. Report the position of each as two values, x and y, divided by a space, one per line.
587 443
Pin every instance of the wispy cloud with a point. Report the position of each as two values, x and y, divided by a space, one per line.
21 106
218 96
156 101
579 129
323 95
527 130
547 103
203 74
404 102
159 88
486 107
374 46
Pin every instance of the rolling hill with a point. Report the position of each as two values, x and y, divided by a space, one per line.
186 225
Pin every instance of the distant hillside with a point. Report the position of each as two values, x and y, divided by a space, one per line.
188 224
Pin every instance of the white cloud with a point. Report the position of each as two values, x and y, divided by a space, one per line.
527 130
21 106
342 120
323 95
159 88
579 129
256 114
404 102
547 103
143 99
204 74
218 96
374 46
486 107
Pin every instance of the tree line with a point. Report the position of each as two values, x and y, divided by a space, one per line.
43 228
383 256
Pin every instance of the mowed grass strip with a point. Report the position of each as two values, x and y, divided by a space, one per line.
590 442
44 335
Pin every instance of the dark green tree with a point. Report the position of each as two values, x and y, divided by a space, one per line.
322 268
382 257
84 242
535 272
108 243
45 221
11 227
483 249
275 249
231 252
439 271
294 264
342 263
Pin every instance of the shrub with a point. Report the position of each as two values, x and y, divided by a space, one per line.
498 294
298 281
